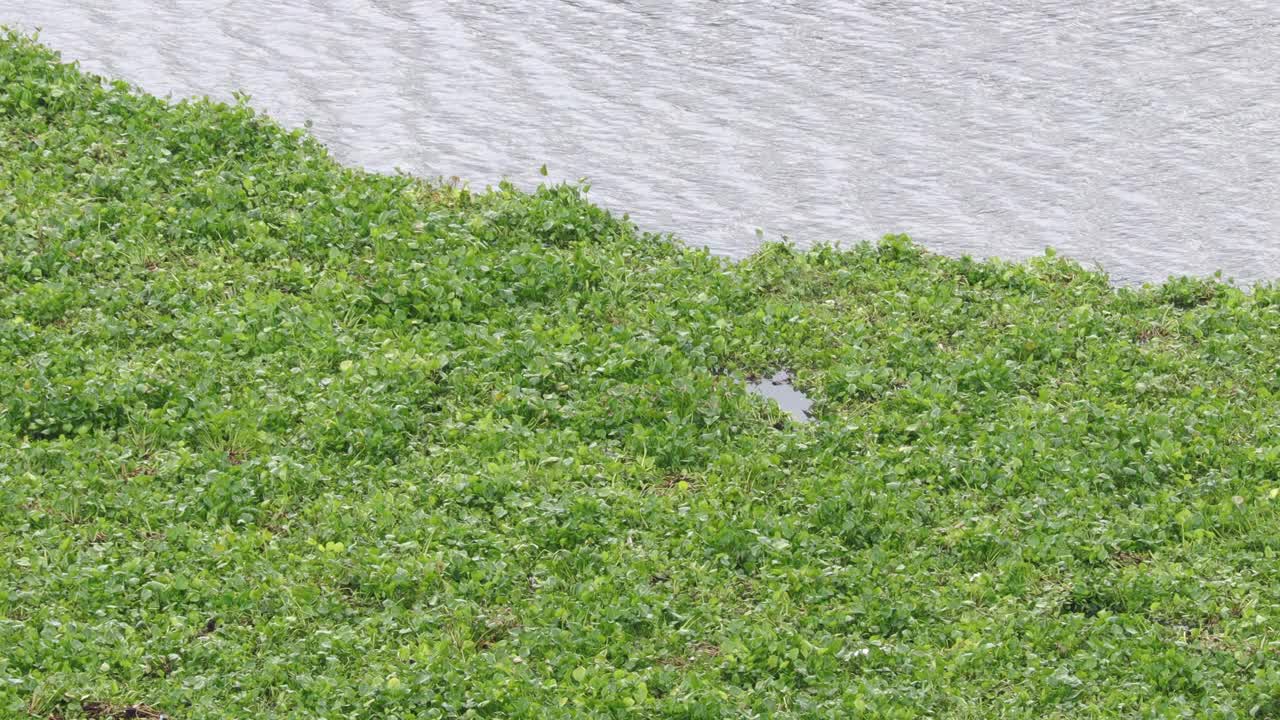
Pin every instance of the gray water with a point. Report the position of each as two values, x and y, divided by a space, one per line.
779 389
1140 135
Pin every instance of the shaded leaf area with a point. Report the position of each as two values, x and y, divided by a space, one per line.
281 438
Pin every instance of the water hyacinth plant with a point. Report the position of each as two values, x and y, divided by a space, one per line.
281 438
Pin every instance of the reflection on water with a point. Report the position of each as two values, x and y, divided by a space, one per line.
779 389
1141 135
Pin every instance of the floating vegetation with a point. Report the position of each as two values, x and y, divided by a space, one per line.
281 438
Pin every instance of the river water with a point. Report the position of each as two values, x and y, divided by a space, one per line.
1140 135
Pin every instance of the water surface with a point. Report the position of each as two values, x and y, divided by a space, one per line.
779 389
1141 135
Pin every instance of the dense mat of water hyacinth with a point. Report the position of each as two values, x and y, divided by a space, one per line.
282 438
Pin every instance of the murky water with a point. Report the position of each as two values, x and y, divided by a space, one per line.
1143 135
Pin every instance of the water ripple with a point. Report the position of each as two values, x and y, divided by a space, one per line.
1142 136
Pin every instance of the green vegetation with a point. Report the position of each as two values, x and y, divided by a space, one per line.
280 438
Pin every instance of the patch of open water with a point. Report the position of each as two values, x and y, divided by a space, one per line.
779 389
1143 135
